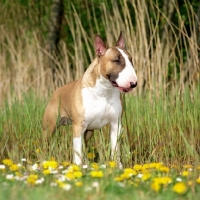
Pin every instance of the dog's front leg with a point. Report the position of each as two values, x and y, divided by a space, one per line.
78 132
114 136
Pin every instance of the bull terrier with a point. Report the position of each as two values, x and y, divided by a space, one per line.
94 100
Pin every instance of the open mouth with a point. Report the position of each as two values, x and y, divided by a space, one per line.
121 89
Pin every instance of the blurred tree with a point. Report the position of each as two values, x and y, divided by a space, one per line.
55 24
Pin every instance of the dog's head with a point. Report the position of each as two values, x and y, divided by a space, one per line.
116 64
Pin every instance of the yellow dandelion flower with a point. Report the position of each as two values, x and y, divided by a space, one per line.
32 178
180 188
130 172
112 164
119 178
7 162
70 175
78 183
190 183
198 167
95 166
146 176
163 180
46 171
74 168
158 165
14 167
66 164
164 169
155 186
78 174
198 180
137 167
37 150
185 173
96 174
146 166
50 164
91 155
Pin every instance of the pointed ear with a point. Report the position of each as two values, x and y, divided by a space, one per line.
100 47
120 41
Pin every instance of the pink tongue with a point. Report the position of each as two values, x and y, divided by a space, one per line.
121 89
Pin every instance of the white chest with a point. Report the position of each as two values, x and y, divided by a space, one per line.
101 106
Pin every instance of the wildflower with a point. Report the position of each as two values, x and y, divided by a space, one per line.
10 176
95 166
78 174
130 172
180 188
65 186
7 162
146 176
119 178
155 186
198 167
2 167
198 180
190 183
74 168
37 150
34 167
14 167
164 169
158 181
50 165
163 180
32 178
70 176
91 155
137 167
23 159
39 181
66 164
78 183
84 166
46 171
103 166
96 174
178 179
112 164
185 173
146 166
95 184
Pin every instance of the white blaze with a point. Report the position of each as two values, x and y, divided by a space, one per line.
128 74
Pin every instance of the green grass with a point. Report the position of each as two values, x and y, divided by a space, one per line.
155 129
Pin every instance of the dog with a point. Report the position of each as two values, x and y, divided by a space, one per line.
94 100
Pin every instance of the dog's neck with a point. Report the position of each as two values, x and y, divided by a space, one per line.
96 82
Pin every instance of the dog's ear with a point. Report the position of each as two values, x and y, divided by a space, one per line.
100 47
120 41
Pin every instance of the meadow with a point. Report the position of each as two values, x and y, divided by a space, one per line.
160 140
159 151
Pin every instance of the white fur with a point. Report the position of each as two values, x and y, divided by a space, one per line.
77 144
101 104
128 74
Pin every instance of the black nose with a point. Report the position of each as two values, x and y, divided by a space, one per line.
133 85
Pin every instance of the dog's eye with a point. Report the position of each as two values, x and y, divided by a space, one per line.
116 60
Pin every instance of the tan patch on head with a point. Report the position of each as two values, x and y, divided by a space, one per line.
112 63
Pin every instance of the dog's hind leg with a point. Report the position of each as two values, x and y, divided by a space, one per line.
87 135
